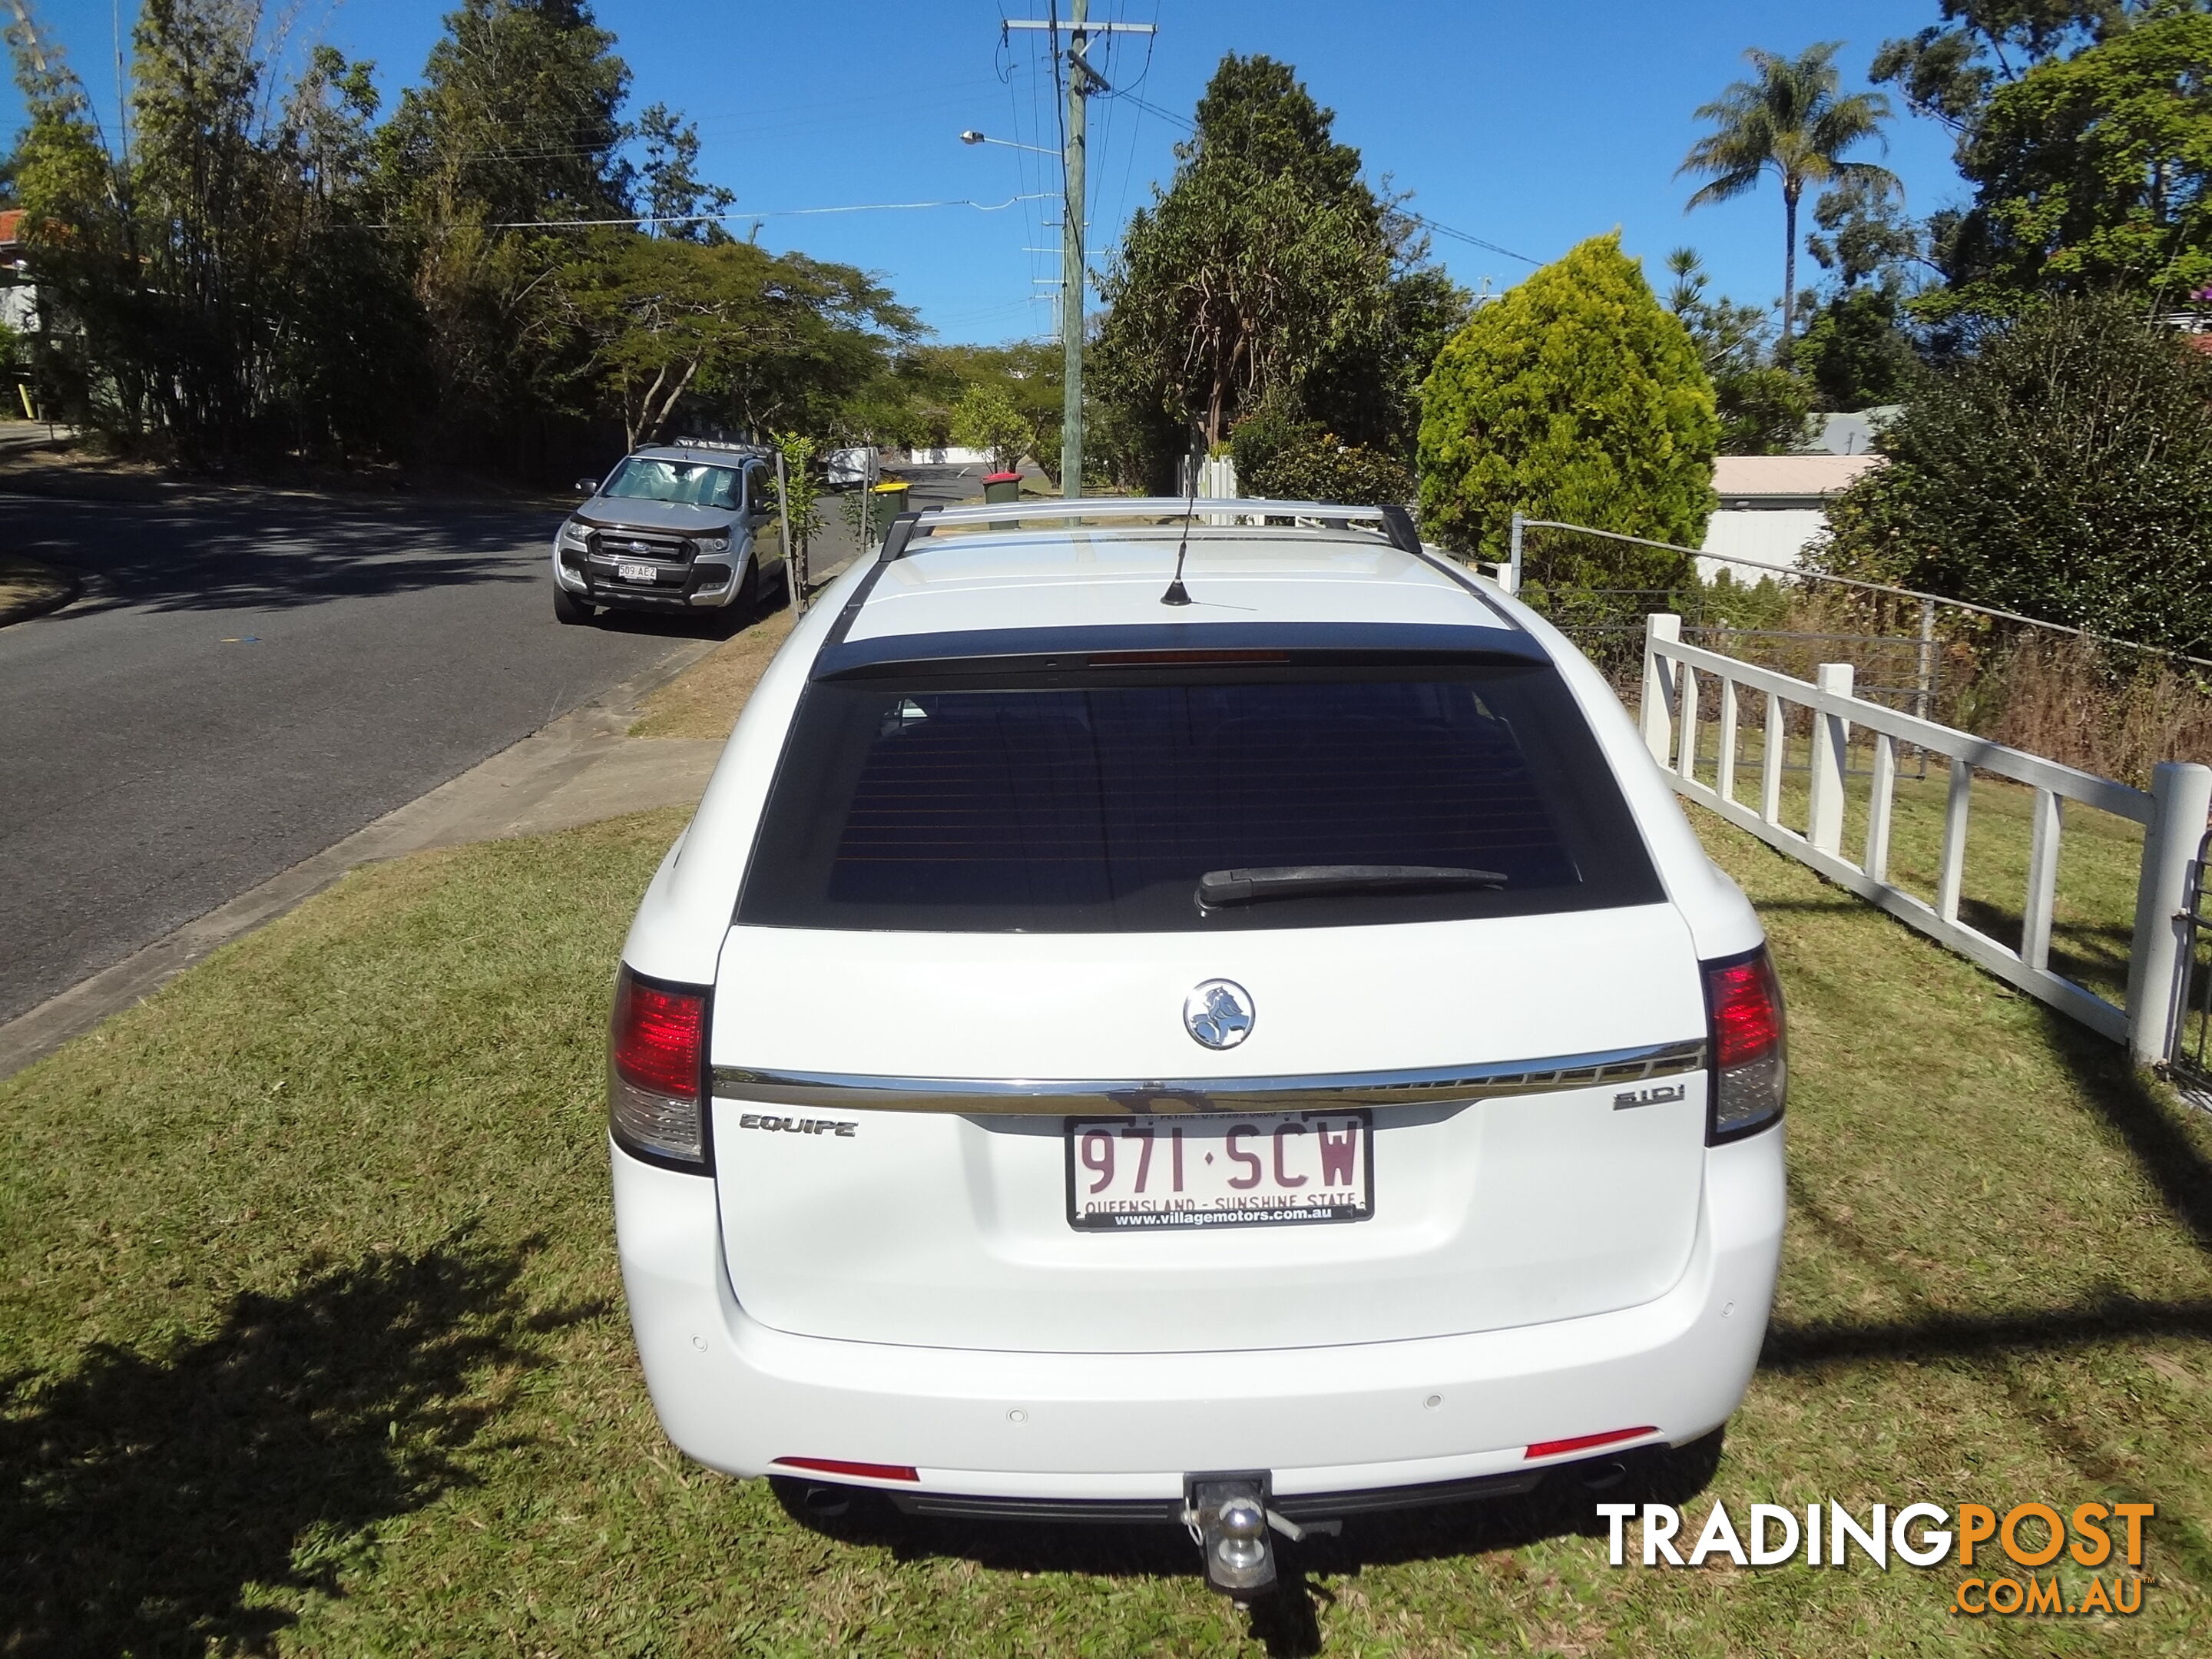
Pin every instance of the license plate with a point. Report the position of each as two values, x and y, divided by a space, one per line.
635 573
1262 1169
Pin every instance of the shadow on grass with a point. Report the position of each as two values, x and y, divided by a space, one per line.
2115 1318
1286 1621
168 1503
2170 1161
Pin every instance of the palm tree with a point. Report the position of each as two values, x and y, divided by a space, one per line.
1790 121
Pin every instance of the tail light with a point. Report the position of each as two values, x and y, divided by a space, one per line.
1750 1058
657 1070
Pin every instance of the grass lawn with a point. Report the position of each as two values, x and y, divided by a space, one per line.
706 699
312 1338
26 584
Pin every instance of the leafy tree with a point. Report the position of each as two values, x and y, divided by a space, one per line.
221 292
747 336
1280 456
1856 350
1268 268
2064 469
1855 353
1578 397
986 418
517 123
2082 125
917 399
801 502
671 189
274 269
2093 170
352 360
1948 72
1790 120
822 333
1763 411
1762 407
1864 236
655 312
79 235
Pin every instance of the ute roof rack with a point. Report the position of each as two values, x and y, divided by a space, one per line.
1395 522
729 444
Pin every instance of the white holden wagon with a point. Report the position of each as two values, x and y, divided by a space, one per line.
1214 1021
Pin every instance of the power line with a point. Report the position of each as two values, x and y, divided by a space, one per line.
1421 219
745 213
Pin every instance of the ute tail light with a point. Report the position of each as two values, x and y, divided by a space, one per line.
1750 1051
657 1070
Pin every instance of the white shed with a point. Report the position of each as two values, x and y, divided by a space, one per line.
1771 507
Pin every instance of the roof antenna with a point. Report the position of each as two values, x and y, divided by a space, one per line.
1177 593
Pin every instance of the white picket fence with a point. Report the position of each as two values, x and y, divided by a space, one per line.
2172 814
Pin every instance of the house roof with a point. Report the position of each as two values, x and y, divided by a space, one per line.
1809 476
11 226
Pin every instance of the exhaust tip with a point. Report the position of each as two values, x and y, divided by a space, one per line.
1600 1476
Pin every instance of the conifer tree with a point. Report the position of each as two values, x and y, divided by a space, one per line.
1577 396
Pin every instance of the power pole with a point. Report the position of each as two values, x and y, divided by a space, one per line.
122 91
1071 264
1082 82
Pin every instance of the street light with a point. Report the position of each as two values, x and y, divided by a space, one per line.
1071 279
972 136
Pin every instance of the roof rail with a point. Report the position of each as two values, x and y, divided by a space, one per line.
1394 521
730 444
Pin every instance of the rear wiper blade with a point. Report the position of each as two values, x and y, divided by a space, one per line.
1219 887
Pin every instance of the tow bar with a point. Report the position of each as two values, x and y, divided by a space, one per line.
1229 1515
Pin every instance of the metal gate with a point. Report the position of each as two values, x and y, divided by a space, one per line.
2189 1049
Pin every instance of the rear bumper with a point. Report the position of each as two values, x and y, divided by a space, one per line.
1084 1427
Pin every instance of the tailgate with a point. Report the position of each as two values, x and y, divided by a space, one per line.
953 1228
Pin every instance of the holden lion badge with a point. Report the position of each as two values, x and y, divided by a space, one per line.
1218 1012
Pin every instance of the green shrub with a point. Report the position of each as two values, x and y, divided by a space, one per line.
1294 460
2063 469
1577 396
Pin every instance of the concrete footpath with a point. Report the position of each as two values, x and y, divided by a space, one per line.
579 770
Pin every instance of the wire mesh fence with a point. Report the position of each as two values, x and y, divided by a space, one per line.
2107 706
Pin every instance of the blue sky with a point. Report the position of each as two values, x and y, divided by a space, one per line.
1529 126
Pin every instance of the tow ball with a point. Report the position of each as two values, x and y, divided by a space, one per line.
1229 1515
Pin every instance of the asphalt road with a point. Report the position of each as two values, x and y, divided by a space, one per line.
250 682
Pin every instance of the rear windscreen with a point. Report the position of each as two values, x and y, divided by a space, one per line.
944 804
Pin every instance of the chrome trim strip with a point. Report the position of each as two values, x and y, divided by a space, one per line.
836 1092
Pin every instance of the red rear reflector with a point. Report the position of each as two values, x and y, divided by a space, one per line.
1747 1010
1585 1442
838 1466
657 1037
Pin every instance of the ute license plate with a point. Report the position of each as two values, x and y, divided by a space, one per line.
1261 1170
635 573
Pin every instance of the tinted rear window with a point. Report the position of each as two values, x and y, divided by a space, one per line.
985 804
